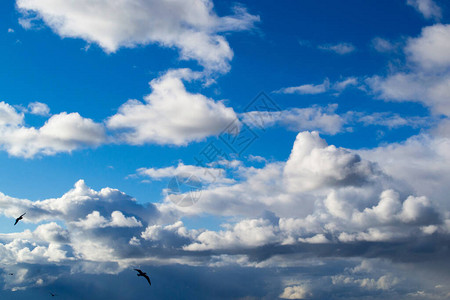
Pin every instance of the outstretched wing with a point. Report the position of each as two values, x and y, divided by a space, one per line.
139 271
148 279
19 218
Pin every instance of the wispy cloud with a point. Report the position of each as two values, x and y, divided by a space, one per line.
326 86
428 8
341 48
306 89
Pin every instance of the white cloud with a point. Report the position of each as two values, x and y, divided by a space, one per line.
307 89
384 45
205 174
321 197
390 120
61 133
9 116
420 161
190 26
430 89
348 82
341 48
384 282
38 108
427 76
295 292
428 8
430 50
323 119
170 114
313 164
326 86
247 234
95 220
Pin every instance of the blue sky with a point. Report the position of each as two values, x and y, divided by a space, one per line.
338 190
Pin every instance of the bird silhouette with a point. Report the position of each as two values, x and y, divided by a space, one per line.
19 218
11 274
53 295
143 274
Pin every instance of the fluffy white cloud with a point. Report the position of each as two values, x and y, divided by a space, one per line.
313 164
61 133
295 292
428 8
323 201
430 50
171 114
9 116
247 234
420 161
38 108
427 79
95 220
190 26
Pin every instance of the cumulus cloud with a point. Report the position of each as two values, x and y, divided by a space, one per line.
320 194
38 108
313 164
190 26
95 220
430 50
323 201
427 77
62 132
171 114
429 171
295 292
247 234
428 8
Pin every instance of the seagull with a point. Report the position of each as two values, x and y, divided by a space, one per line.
19 218
143 274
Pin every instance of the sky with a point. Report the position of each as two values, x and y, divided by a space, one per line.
231 150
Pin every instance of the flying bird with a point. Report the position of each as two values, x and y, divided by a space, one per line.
19 218
53 295
143 274
11 274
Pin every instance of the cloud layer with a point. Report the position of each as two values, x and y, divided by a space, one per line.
323 200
